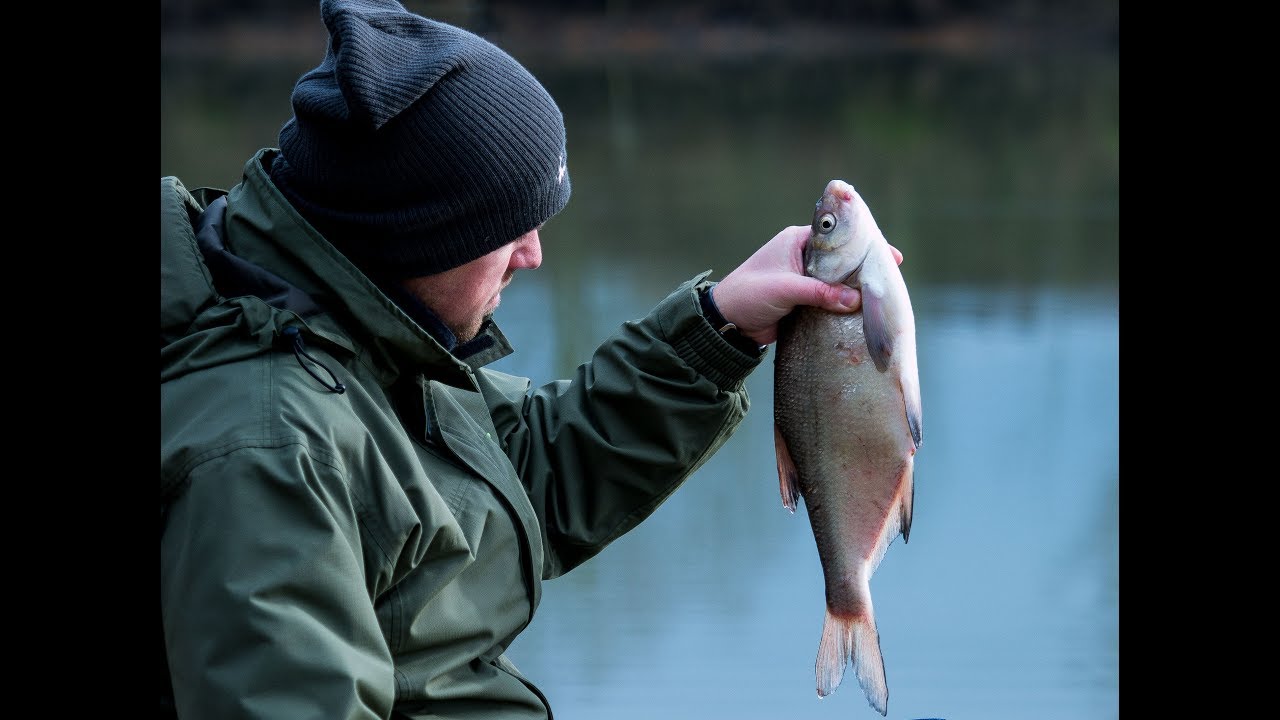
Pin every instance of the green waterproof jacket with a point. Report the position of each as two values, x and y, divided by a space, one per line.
371 553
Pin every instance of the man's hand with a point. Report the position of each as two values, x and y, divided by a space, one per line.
765 288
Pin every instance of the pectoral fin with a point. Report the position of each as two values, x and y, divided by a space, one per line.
878 329
908 501
788 480
913 420
911 403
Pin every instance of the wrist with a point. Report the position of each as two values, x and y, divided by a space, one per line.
728 330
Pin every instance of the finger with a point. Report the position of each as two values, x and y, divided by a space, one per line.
897 254
795 237
835 297
792 290
841 298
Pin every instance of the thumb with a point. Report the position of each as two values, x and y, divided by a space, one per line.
835 297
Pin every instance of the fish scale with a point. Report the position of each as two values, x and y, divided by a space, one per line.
847 424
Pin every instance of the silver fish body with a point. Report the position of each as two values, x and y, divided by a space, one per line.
847 424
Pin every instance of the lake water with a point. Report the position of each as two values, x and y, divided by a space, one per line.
998 177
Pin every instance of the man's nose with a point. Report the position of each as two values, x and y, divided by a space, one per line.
528 254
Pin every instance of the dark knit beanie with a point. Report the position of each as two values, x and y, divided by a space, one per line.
417 146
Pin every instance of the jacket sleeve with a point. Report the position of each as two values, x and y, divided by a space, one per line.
261 595
599 452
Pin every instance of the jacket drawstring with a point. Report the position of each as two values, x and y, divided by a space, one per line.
299 351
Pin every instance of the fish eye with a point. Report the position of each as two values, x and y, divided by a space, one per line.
827 223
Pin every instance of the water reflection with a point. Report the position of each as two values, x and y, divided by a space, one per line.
1004 170
999 178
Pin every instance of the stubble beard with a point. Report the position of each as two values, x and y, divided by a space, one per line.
469 333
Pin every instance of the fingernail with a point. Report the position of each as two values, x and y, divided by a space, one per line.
848 297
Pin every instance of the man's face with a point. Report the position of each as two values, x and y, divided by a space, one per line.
464 296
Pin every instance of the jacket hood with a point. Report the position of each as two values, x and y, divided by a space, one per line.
244 264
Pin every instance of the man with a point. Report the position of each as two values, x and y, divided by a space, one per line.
356 515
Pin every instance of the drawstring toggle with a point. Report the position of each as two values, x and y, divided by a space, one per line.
300 352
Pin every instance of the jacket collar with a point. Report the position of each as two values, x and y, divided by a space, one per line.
263 228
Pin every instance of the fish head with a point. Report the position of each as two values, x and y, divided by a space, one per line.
841 235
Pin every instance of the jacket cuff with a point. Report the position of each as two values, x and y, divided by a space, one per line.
698 343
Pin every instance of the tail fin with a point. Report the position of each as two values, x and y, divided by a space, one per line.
852 637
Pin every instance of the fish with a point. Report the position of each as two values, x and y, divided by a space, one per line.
847 424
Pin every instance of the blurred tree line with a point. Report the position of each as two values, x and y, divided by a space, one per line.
1096 16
